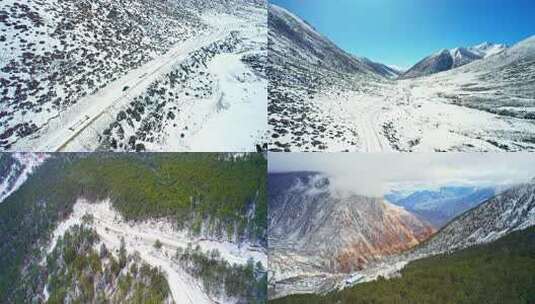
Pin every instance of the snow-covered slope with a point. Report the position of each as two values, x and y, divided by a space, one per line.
445 60
487 49
129 75
520 52
317 229
15 168
306 44
293 39
301 64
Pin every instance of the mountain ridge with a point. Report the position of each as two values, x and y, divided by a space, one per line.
317 48
448 59
510 210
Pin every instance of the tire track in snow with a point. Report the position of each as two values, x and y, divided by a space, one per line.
367 114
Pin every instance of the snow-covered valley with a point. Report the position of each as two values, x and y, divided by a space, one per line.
141 237
324 99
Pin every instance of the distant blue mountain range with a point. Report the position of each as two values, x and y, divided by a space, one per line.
440 206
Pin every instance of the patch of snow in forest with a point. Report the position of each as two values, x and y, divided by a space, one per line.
141 236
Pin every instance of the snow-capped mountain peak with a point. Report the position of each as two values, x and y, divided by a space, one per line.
399 69
447 59
487 49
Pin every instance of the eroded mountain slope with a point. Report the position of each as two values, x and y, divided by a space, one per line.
316 230
511 211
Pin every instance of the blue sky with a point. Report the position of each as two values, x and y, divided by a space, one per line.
402 32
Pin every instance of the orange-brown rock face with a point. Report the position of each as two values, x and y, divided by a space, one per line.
394 231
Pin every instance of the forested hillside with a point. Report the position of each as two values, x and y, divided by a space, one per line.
81 273
246 282
218 195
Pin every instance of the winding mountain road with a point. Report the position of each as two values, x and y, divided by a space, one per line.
141 237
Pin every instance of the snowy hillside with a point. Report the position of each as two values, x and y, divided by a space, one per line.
131 75
487 49
15 169
305 44
486 105
318 233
